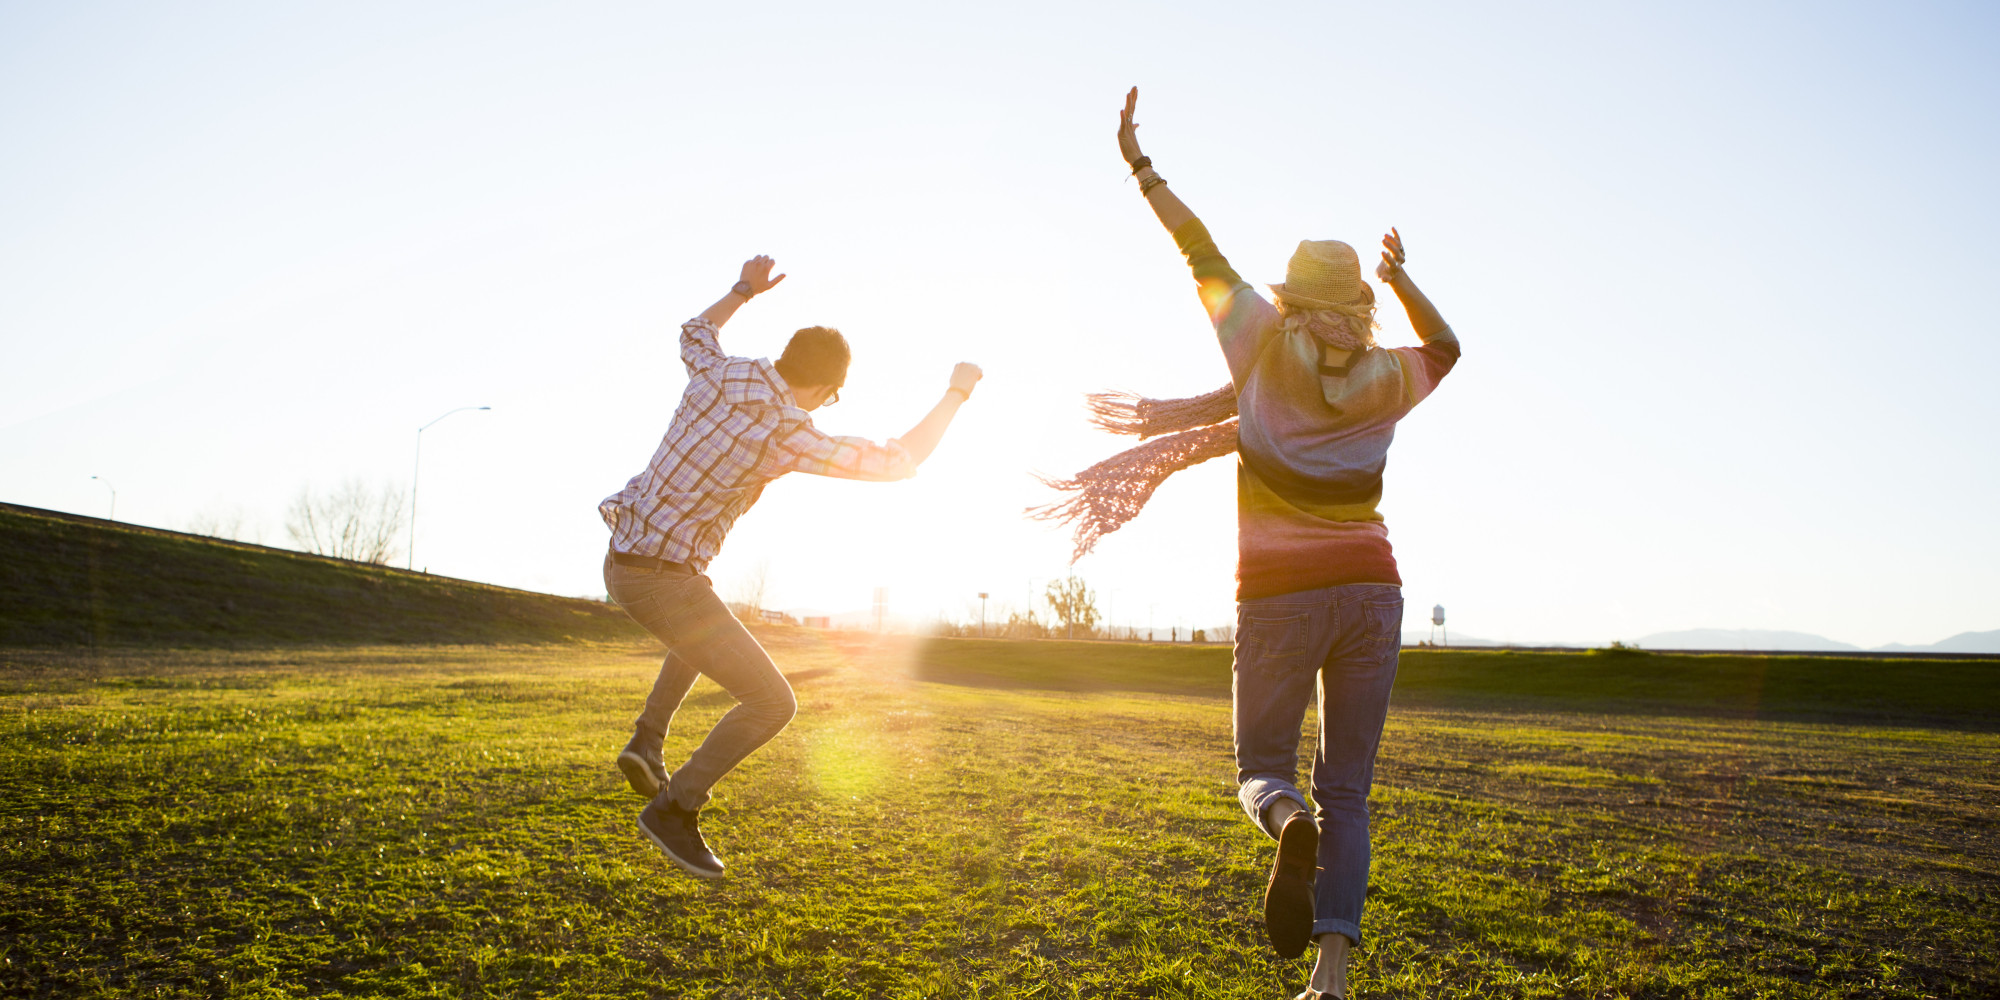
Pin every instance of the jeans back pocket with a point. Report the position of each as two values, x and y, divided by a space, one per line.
1272 643
1382 620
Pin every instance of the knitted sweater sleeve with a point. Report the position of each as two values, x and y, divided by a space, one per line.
1244 322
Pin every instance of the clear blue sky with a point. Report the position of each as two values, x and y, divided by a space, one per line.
1720 271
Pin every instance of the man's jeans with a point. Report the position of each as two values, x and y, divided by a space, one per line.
1345 638
702 637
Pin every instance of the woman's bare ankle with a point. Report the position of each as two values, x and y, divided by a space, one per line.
1278 812
1330 970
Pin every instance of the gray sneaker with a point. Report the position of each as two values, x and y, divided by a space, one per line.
677 832
642 766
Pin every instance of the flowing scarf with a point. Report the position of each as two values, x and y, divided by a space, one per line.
1189 431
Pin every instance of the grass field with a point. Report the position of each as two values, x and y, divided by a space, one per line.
980 819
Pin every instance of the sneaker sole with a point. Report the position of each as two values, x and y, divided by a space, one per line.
1288 896
675 858
638 775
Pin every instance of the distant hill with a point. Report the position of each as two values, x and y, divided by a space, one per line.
1739 640
1743 639
1964 642
68 580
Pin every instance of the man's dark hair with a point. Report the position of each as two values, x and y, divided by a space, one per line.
817 355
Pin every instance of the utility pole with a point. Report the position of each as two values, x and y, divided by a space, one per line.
114 497
417 469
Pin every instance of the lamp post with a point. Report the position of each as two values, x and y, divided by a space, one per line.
982 614
415 471
114 497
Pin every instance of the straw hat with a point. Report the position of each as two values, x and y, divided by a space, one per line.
1322 274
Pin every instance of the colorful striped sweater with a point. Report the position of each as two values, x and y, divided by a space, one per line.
1312 440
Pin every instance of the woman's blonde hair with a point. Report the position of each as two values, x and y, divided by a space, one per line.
1350 326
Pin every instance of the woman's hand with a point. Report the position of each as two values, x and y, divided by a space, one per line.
1391 267
1128 132
757 274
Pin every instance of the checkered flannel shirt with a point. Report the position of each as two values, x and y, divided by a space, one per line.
738 427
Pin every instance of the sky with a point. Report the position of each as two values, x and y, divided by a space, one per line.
1719 270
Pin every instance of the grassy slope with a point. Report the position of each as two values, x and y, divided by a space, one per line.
445 823
77 582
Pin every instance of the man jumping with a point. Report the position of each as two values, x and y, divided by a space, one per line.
741 423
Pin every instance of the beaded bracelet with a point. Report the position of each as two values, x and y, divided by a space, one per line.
1150 183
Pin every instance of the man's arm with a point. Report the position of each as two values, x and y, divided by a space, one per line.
700 350
810 450
923 438
756 280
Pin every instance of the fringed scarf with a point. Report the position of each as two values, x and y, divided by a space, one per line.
1189 431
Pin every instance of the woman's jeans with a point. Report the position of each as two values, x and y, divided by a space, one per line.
1345 639
702 637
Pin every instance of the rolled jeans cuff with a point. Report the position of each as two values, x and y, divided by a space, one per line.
1351 930
1257 794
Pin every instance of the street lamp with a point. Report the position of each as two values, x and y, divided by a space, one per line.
982 614
114 497
419 467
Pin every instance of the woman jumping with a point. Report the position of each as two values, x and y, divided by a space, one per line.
1319 599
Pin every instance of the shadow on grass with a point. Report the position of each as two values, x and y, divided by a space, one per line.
1954 694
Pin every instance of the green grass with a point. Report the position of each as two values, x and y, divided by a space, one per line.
68 581
1964 693
968 819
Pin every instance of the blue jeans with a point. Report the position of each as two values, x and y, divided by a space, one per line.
1345 639
702 637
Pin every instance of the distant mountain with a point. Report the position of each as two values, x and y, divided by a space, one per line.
1964 642
1742 639
1970 642
1767 640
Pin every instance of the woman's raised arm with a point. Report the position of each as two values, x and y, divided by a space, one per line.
1424 317
1173 214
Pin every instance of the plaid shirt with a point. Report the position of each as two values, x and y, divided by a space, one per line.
738 427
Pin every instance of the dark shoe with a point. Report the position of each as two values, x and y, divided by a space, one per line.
643 769
1288 896
677 831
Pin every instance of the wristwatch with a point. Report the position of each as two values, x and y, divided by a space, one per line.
742 288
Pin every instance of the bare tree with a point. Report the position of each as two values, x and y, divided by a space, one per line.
753 587
1075 606
221 520
351 521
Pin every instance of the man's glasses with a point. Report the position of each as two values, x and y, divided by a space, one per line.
835 398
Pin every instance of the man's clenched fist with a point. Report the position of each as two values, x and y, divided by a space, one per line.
964 376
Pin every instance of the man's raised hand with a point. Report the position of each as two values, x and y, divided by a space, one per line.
964 376
757 274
